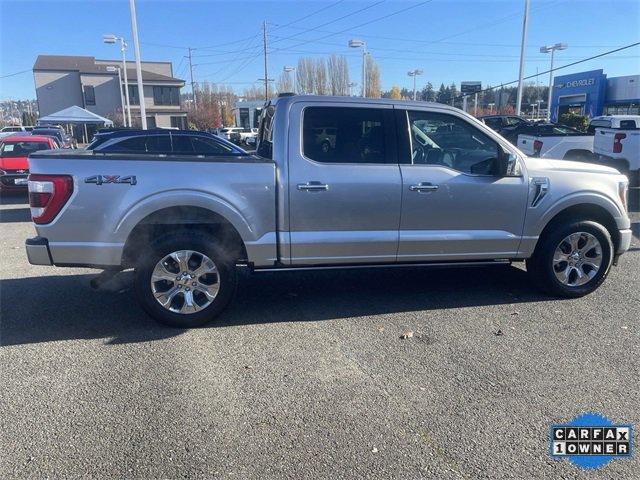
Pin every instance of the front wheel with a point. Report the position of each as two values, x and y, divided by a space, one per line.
185 279
572 260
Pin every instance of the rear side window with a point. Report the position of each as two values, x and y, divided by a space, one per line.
344 135
142 144
628 124
193 145
493 122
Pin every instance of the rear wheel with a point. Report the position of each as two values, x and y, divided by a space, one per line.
185 280
572 260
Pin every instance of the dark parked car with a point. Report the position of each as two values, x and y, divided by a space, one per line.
63 139
164 142
500 122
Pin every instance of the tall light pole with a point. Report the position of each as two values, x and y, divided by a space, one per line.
136 49
525 23
112 39
288 71
414 74
113 69
353 43
551 49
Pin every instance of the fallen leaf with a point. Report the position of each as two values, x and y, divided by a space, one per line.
374 450
498 333
407 334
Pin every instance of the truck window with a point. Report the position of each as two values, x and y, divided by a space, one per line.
627 124
139 144
344 135
445 140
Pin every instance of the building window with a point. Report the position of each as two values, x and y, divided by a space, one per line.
134 98
151 122
178 122
89 95
166 95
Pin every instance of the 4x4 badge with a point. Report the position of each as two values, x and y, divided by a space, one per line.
100 179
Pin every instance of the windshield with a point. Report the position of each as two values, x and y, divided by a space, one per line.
48 131
21 149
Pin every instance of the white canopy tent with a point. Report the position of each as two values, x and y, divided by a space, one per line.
75 115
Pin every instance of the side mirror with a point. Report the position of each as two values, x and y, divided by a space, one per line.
508 165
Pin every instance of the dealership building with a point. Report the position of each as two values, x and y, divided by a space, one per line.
592 94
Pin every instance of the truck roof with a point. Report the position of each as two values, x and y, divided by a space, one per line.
336 99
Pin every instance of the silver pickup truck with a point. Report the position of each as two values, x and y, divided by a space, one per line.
402 183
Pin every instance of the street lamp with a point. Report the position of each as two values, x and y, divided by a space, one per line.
112 39
111 68
351 85
354 43
552 49
288 70
414 74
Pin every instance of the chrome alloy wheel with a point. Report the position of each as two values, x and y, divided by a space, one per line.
185 281
577 259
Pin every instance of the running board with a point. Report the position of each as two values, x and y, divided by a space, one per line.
479 263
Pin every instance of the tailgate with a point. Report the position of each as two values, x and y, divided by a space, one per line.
603 141
525 143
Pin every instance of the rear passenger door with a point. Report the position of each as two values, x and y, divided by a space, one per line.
344 184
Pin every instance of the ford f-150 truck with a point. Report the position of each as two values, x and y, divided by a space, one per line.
404 183
617 143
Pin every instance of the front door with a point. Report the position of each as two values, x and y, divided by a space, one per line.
344 184
455 206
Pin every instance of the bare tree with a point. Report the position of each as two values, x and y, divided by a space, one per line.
320 77
373 78
338 72
285 83
305 75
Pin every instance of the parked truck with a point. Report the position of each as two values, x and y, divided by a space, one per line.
617 143
403 184
549 140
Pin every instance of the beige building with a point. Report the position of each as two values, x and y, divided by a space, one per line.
62 81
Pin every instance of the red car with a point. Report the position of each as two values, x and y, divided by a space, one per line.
14 166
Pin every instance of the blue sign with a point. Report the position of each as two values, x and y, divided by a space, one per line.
590 441
579 91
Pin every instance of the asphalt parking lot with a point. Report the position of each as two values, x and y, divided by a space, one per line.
307 376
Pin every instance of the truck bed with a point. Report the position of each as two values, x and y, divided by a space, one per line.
112 193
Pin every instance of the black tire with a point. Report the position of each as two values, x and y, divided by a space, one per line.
197 241
540 265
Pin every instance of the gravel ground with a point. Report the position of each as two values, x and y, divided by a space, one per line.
307 376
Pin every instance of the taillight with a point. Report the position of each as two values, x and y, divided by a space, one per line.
537 146
47 195
617 142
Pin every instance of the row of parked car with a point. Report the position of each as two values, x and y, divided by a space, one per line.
17 142
612 140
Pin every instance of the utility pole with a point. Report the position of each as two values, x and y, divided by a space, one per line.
525 23
136 47
266 72
193 91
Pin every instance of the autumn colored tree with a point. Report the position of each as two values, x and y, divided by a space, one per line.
395 93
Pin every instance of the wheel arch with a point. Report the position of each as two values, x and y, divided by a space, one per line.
180 218
584 211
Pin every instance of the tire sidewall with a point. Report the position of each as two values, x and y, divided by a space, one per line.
196 241
544 258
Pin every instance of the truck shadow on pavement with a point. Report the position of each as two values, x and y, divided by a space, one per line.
14 215
51 308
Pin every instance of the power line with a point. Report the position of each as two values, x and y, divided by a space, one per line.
309 15
552 70
355 12
397 12
14 74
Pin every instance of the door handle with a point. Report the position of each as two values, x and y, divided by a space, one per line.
313 186
423 187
